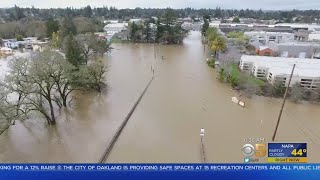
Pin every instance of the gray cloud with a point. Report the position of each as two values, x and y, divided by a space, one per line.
231 4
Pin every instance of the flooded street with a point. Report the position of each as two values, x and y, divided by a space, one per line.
184 97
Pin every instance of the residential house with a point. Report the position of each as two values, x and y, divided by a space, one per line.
30 39
10 43
296 49
111 29
5 51
187 19
264 51
136 21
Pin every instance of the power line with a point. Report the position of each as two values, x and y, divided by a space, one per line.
301 127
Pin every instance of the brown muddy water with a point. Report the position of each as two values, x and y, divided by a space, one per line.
184 97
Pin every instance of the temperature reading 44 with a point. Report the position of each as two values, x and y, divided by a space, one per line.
299 152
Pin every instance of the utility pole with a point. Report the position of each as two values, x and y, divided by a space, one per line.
154 48
284 101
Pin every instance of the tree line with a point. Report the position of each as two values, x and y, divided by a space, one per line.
16 13
165 29
43 29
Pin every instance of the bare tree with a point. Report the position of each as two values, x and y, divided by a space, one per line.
32 81
296 93
315 52
93 77
314 95
63 80
7 110
92 44
40 82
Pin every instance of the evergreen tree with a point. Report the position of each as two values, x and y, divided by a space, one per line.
159 31
73 51
236 20
133 31
52 26
54 40
147 31
17 13
87 12
68 27
205 26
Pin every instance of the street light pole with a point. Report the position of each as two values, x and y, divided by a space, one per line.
203 154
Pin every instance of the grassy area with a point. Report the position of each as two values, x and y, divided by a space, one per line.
241 76
248 84
116 40
234 34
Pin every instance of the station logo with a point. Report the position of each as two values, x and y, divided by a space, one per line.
253 153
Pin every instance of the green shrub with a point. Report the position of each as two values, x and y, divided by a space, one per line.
211 62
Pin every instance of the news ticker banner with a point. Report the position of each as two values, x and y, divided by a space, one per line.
276 152
156 167
159 171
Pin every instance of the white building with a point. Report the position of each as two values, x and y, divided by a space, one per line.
297 49
10 43
110 21
296 26
266 37
278 69
115 28
136 21
5 51
314 37
214 24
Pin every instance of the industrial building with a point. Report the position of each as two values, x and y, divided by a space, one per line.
278 70
267 37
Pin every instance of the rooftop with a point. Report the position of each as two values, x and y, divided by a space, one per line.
264 32
120 25
298 44
263 47
302 72
281 65
5 49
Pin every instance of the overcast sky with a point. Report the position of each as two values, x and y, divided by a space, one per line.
228 4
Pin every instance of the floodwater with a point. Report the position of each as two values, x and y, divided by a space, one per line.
184 97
